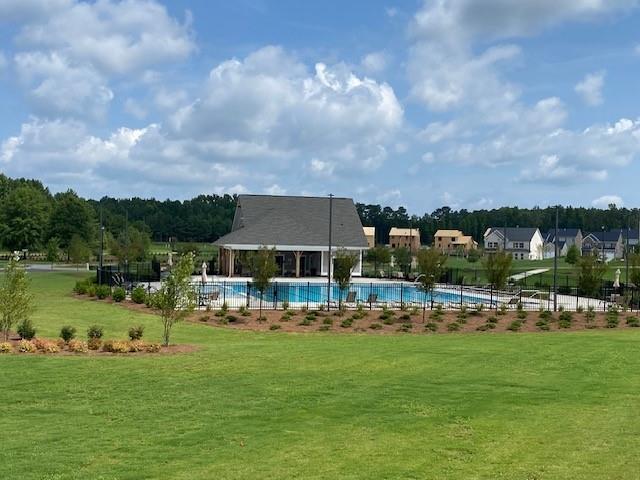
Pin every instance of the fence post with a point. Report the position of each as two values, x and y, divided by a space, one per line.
307 295
275 295
490 296
248 295
401 295
370 294
549 298
461 287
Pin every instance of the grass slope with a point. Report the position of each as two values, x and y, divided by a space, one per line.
253 405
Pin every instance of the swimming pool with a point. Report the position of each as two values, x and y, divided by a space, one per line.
313 293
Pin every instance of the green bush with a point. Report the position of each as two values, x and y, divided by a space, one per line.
81 287
375 326
324 328
565 316
274 326
138 295
102 291
580 309
612 322
94 331
118 294
26 330
67 333
502 310
515 326
285 305
453 327
306 321
405 327
232 319
91 290
327 321
633 322
346 323
136 332
564 323
522 314
492 319
431 327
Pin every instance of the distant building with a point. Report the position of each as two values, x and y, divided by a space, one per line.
566 238
297 228
405 237
370 234
521 243
610 242
453 241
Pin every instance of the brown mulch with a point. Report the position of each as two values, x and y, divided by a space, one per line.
363 325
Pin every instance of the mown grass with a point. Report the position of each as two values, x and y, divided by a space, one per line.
252 405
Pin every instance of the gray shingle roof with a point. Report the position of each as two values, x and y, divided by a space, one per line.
288 220
608 236
562 233
516 234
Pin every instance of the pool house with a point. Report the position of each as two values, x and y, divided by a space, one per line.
297 228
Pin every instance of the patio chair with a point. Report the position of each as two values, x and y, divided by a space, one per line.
349 301
209 298
372 300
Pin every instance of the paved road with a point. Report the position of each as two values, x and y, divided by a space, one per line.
528 273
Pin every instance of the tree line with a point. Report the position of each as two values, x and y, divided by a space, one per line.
33 218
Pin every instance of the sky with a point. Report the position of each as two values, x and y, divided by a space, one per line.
465 103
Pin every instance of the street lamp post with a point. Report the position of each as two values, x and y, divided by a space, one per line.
101 248
329 259
626 258
555 266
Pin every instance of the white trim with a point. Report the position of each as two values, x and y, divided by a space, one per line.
290 248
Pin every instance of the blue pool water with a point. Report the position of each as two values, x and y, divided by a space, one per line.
317 292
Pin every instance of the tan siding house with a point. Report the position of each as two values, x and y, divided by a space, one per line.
405 237
370 234
452 241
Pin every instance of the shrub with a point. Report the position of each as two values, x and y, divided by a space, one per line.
522 314
515 326
224 321
261 319
153 347
346 323
232 319
405 327
91 290
580 309
311 317
138 295
95 331
26 330
453 327
94 344
285 305
78 346
431 327
633 322
543 326
244 311
118 294
492 319
6 347
564 323
405 316
67 333
388 320
26 346
483 328
327 321
204 318
81 287
274 326
221 313
324 328
590 315
136 332
306 321
225 307
565 316
102 291
375 326
612 322
502 310
137 346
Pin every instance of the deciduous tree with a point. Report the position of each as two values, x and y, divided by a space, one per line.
343 266
431 264
263 269
498 267
15 299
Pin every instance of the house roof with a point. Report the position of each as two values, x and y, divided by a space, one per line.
608 236
562 233
514 234
463 240
404 232
369 231
448 233
296 221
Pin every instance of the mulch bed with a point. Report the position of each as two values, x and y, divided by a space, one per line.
414 324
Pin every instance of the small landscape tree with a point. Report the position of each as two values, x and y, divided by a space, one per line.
263 269
431 265
176 298
378 255
343 265
79 251
573 254
53 249
402 256
15 299
474 255
590 273
498 266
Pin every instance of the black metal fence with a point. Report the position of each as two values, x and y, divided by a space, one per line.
128 275
396 295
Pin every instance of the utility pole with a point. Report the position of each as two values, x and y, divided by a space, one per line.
329 262
626 258
555 265
101 248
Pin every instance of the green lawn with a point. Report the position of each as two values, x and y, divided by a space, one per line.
275 406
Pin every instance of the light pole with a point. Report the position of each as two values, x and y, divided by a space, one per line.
626 258
101 248
604 256
329 259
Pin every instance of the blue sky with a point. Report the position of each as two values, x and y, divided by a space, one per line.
471 104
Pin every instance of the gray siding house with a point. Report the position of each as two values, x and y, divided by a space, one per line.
521 243
297 228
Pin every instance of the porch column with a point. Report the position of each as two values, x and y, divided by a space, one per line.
297 255
232 257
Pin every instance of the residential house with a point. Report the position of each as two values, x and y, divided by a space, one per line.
608 244
566 238
370 234
453 241
297 228
521 243
405 237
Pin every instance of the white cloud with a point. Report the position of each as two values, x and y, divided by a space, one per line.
590 88
435 132
57 86
275 189
319 167
113 37
606 200
375 62
21 10
550 170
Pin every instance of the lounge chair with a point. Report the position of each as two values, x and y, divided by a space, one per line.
209 298
372 300
350 300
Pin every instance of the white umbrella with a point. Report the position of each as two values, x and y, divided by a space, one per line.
616 283
204 272
170 260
